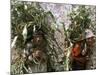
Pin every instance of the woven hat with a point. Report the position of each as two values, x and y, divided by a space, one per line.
89 33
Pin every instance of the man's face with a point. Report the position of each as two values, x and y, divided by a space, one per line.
90 41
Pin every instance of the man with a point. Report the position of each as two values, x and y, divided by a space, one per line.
83 52
91 48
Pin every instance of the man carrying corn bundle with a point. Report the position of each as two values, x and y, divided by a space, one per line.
82 52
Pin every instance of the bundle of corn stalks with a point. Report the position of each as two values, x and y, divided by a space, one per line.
27 20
